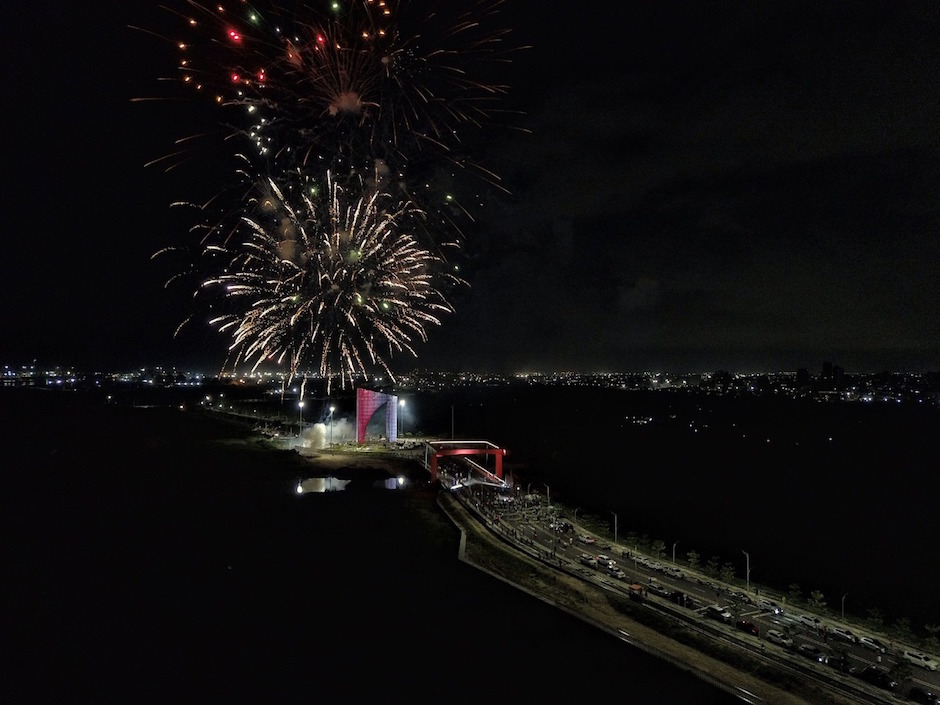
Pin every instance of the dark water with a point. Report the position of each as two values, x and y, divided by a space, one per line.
841 498
148 558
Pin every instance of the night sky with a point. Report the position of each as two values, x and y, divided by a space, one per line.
751 186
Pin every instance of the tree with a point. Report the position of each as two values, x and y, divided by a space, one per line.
795 593
694 559
902 629
932 641
875 618
658 547
817 600
727 572
711 568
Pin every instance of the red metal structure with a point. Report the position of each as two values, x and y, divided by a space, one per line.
440 449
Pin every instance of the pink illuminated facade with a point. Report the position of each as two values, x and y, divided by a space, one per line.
368 402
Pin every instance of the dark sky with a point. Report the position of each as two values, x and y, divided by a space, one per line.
735 185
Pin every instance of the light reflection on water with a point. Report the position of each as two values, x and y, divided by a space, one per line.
321 484
334 484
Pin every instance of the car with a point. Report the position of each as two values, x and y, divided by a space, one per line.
719 613
875 676
840 662
769 605
742 597
658 589
588 559
919 659
587 539
603 560
844 634
747 626
922 695
615 572
811 622
673 572
656 565
778 637
813 652
870 642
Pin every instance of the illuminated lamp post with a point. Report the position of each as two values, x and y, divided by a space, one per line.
401 416
332 409
300 427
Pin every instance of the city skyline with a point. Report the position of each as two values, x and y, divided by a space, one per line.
694 188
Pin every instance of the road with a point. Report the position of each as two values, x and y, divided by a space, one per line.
537 529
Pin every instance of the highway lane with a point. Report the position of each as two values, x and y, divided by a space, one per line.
536 528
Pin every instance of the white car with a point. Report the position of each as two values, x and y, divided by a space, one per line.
870 642
587 559
769 605
615 572
845 634
919 659
674 573
811 622
587 539
778 637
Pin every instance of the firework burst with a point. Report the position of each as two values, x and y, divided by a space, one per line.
357 116
325 279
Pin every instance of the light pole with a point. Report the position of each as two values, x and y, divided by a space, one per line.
576 510
332 409
300 428
548 495
615 526
401 420
747 571
843 606
674 552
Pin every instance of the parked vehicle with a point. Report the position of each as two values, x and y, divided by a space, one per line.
615 572
748 626
659 589
769 605
778 637
919 658
875 676
840 662
811 622
844 634
922 695
719 613
588 559
870 642
813 652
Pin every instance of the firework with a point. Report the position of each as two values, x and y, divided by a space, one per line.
325 279
358 118
349 90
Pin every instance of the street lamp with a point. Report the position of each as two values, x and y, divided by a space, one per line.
747 571
401 421
300 428
332 409
615 526
548 494
843 606
674 552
